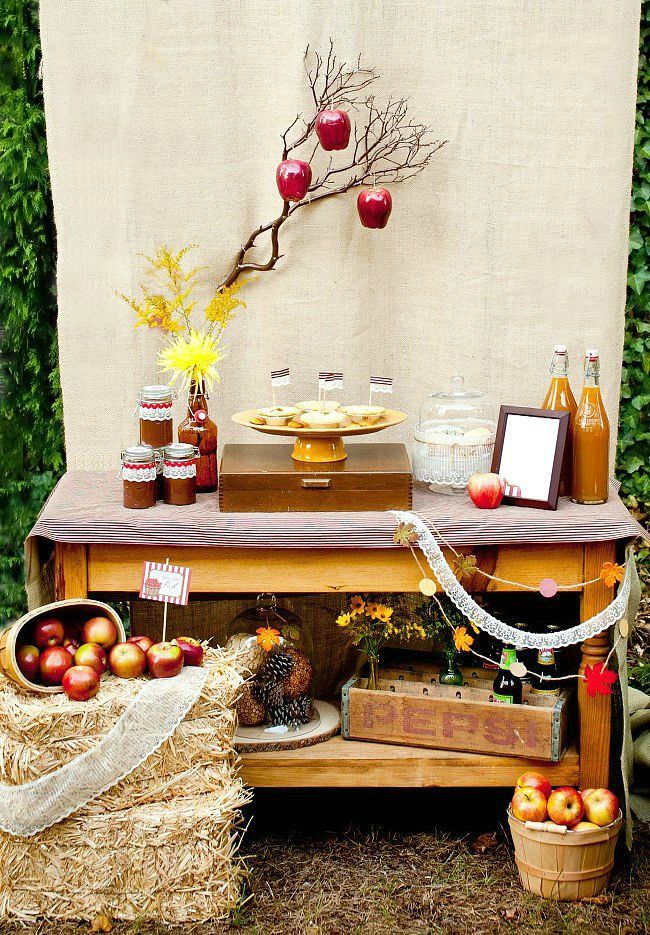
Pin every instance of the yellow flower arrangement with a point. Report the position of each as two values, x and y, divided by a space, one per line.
344 620
191 352
357 605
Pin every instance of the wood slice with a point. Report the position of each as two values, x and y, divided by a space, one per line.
325 726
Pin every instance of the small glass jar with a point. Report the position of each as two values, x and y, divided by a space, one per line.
139 466
155 411
179 474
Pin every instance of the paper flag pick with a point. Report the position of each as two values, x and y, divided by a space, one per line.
381 384
280 377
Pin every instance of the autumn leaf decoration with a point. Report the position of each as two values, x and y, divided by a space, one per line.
599 679
464 566
462 639
610 573
267 638
405 534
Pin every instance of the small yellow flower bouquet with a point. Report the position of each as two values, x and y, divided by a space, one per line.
167 303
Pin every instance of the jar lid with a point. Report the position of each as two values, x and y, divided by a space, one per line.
457 391
138 454
179 451
156 391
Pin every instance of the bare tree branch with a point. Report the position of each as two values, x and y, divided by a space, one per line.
389 147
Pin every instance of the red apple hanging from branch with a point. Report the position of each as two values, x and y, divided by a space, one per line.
386 147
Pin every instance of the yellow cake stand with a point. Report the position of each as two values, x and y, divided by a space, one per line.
319 446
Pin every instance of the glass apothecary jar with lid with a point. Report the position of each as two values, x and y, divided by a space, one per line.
454 437
275 650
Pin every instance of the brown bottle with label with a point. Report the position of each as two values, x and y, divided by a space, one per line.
559 398
591 439
199 430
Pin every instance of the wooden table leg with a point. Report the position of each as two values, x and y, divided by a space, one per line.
595 713
70 571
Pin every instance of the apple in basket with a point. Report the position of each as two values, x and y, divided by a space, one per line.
54 662
99 630
565 806
585 826
71 643
192 650
535 781
528 804
127 660
93 655
601 807
80 683
144 642
48 632
164 660
486 490
27 658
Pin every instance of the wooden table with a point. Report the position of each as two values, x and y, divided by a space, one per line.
114 570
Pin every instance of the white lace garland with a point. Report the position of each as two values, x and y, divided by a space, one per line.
496 628
179 471
158 413
149 720
138 475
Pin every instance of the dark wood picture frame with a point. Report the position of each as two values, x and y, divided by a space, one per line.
560 443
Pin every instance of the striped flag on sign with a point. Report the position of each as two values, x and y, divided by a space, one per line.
330 381
166 583
381 384
280 377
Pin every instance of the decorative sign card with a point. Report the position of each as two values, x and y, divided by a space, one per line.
164 582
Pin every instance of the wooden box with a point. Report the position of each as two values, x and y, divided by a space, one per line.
265 479
424 713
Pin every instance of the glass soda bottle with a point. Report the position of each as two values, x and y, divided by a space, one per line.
591 439
507 687
546 665
559 398
199 430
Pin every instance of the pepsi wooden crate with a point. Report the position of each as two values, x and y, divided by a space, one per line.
414 709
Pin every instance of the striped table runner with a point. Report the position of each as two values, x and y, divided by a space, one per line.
86 507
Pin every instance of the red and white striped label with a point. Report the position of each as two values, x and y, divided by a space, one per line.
165 583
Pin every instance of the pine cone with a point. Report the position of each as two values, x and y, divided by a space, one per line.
298 680
277 666
268 693
292 713
250 710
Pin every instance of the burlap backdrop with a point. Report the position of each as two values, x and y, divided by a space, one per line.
163 126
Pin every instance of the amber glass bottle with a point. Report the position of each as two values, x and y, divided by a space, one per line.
560 399
198 429
591 439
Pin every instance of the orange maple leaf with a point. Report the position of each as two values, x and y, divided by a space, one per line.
610 573
462 639
267 637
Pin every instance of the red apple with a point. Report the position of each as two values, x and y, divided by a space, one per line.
535 781
565 806
27 659
71 643
99 630
333 129
80 683
294 178
92 655
374 206
585 826
585 792
144 642
486 490
48 632
127 660
192 650
164 660
53 664
528 804
601 807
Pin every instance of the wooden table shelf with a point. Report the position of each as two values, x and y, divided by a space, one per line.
340 763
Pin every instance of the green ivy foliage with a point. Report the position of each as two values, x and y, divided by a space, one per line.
31 425
633 469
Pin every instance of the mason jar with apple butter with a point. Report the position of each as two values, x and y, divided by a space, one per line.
155 411
139 465
179 473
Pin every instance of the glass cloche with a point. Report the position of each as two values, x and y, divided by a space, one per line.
275 651
454 437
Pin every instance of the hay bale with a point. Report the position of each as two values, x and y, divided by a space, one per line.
161 843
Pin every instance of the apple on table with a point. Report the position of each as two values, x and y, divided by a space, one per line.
165 660
93 655
144 642
80 683
127 660
193 652
486 490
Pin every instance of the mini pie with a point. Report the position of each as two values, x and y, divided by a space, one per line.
315 405
324 420
364 415
277 415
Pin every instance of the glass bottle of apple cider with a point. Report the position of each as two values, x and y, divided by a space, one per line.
560 398
591 439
